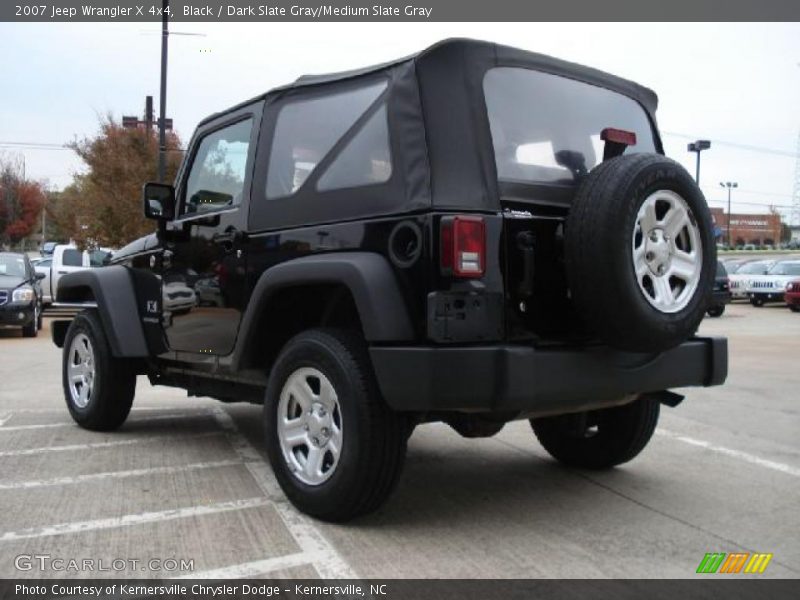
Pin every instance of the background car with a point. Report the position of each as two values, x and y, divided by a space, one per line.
721 293
740 279
771 287
793 295
20 294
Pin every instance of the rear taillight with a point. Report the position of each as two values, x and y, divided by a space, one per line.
463 246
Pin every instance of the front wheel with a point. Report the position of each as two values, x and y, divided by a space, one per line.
758 302
335 446
716 311
98 388
794 307
599 439
32 328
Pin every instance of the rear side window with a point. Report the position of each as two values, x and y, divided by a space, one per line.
546 128
72 258
365 160
307 130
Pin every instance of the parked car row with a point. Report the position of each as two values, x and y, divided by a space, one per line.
765 281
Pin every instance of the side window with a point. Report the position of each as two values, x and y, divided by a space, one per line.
307 130
72 258
216 179
366 160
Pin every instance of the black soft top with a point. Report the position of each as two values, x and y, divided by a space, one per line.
441 143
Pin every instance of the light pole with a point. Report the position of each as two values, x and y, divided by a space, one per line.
697 147
730 185
162 117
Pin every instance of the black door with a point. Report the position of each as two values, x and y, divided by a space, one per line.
205 254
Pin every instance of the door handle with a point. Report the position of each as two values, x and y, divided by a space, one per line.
227 238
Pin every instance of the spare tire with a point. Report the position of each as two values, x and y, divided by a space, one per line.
640 253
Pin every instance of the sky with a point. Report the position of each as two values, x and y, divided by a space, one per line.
735 84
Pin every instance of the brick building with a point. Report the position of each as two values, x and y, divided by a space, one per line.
747 229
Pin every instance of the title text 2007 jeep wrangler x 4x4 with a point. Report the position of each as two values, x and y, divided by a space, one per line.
474 234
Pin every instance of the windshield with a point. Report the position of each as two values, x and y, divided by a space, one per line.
546 128
756 268
12 265
785 269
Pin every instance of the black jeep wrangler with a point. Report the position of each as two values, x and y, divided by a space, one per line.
474 234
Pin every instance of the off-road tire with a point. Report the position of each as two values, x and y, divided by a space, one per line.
374 437
114 381
716 311
599 239
621 433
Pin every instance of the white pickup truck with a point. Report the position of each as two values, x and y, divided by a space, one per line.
65 259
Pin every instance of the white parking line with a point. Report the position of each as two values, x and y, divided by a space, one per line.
253 569
95 445
326 560
4 417
73 424
128 520
745 456
36 483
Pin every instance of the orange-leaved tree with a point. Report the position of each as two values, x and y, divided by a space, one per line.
103 205
21 203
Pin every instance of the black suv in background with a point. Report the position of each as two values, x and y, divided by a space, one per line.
20 294
474 234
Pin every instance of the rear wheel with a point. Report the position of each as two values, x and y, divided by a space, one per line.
98 388
794 307
716 311
599 439
335 446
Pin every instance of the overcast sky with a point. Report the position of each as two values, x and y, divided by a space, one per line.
736 83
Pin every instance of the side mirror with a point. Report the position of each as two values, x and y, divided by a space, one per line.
159 201
39 276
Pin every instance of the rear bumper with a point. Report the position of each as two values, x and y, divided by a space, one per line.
538 380
720 297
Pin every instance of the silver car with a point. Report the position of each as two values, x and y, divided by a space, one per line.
771 286
741 277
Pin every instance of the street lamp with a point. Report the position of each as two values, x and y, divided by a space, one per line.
697 147
730 185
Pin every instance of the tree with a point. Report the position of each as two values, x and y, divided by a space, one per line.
21 203
103 206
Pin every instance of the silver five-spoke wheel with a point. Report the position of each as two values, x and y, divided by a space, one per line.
81 370
667 251
310 426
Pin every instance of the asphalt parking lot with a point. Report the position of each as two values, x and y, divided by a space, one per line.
186 479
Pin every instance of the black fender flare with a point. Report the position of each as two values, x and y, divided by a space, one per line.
113 290
367 275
